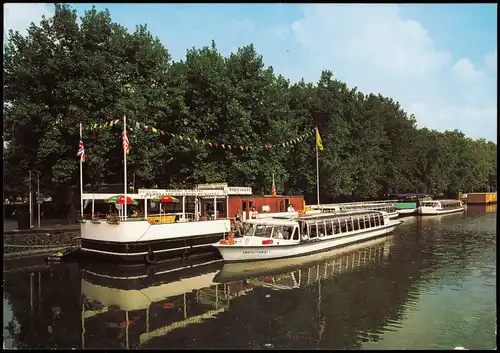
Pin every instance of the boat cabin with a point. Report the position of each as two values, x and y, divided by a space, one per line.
205 202
241 199
442 204
314 226
386 207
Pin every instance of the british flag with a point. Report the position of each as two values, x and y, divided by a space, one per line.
81 150
125 143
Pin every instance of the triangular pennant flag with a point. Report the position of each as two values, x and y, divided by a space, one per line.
210 143
216 145
154 130
147 129
111 123
137 125
283 144
162 132
172 134
195 140
229 146
117 121
241 148
188 139
247 148
223 146
180 137
267 147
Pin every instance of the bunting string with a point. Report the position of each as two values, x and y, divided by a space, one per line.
135 126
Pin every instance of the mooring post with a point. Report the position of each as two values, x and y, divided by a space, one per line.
30 201
38 196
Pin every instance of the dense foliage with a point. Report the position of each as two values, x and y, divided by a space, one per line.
65 71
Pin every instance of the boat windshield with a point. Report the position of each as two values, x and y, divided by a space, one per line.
263 231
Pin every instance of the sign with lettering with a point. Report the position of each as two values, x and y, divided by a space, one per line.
239 190
211 186
180 192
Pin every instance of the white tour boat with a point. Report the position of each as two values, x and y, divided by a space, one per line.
437 207
153 237
280 238
387 207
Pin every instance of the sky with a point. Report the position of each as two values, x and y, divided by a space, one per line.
439 61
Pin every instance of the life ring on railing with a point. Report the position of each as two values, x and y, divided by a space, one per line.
150 257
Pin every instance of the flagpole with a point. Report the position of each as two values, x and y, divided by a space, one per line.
124 167
317 169
81 175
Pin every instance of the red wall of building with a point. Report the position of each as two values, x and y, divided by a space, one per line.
274 202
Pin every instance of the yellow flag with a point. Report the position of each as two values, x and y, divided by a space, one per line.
319 144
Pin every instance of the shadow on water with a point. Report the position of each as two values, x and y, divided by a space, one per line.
430 285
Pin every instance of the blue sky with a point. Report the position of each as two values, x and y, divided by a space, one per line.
438 60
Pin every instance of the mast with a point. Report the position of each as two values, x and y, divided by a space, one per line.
124 165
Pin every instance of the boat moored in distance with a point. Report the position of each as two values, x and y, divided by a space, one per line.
436 207
281 238
407 204
387 207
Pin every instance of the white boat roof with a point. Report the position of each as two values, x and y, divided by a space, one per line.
352 204
339 214
273 221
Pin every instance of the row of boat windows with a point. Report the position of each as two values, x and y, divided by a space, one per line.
339 226
319 228
386 208
444 205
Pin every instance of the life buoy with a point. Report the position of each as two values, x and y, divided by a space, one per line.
150 257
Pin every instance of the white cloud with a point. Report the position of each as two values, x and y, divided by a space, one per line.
18 16
374 48
491 60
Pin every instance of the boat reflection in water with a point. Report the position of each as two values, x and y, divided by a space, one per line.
293 271
142 307
139 308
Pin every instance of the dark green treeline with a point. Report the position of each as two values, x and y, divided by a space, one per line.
95 71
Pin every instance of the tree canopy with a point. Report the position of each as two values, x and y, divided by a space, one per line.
94 71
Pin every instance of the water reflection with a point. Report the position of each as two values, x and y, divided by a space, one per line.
430 285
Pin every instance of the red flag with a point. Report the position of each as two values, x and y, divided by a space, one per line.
125 142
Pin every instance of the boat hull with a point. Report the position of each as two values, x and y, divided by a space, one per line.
133 241
393 215
237 271
234 253
434 211
407 211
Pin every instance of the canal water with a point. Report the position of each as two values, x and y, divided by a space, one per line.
430 285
